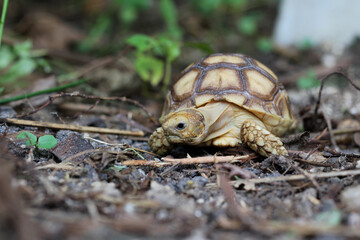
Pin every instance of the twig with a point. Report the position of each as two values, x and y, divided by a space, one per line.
76 94
210 159
49 90
71 127
318 137
296 177
345 131
308 176
98 63
335 153
324 79
121 145
146 163
234 207
329 126
318 164
188 161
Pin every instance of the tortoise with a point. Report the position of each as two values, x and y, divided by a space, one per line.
225 100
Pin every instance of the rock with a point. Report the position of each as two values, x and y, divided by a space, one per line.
69 144
7 112
350 198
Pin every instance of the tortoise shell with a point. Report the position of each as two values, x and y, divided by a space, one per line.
236 79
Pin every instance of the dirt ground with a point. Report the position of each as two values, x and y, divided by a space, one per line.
98 185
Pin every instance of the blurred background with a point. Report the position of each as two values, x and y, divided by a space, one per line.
48 43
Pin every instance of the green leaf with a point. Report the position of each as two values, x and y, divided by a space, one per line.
21 68
23 49
142 42
306 44
150 69
168 48
331 218
102 24
204 47
169 13
47 142
264 44
308 81
247 25
236 4
41 62
30 138
206 6
1 89
117 167
6 56
129 10
128 14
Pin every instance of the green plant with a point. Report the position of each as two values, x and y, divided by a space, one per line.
169 14
116 167
2 20
264 44
20 60
149 52
44 142
129 10
102 24
208 7
308 81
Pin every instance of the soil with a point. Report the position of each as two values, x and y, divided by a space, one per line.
94 185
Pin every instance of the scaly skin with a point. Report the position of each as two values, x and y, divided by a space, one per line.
261 140
158 142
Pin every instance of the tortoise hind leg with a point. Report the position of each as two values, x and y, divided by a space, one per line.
261 140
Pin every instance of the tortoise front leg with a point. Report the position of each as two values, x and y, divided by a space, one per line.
158 142
261 140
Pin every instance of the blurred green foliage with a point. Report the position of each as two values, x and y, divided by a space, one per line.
95 34
211 6
308 81
129 10
169 14
119 22
20 60
149 52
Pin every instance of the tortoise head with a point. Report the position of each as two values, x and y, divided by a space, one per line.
185 126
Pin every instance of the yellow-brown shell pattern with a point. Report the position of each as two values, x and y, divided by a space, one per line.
234 78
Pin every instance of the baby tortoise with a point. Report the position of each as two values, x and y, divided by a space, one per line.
224 100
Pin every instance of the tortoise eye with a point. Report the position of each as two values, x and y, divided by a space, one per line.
181 126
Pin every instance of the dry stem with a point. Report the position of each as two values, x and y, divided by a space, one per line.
71 127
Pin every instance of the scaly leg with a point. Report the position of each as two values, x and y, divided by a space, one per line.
261 140
158 142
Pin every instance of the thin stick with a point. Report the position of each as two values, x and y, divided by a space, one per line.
335 153
188 161
209 159
71 127
49 90
345 131
76 94
298 177
2 21
324 79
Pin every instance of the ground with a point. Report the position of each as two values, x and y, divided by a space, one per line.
97 184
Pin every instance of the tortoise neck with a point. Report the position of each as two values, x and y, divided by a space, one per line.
216 114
